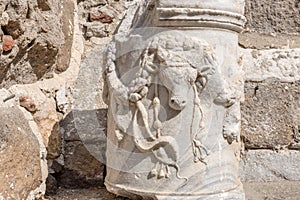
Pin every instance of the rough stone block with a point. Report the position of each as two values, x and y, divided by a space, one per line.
270 114
267 165
275 64
51 185
84 148
273 16
81 169
84 128
20 165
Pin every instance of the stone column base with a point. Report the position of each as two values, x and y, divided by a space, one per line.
234 194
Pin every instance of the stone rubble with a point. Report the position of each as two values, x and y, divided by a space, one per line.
35 28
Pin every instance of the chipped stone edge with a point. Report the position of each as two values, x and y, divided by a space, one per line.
40 191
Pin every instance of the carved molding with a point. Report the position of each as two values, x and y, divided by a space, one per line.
194 17
236 6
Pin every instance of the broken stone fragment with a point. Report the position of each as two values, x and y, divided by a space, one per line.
43 5
52 185
100 16
8 43
28 103
4 19
96 29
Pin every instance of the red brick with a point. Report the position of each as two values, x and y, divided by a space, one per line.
100 16
8 42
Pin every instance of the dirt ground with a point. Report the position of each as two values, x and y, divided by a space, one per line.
84 194
254 191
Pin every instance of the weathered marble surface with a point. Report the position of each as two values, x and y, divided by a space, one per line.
174 112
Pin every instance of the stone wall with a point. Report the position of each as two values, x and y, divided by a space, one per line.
271 24
35 45
271 110
35 39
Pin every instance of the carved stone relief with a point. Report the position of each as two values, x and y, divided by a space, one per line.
173 123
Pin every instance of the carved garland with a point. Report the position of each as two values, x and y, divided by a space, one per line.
154 58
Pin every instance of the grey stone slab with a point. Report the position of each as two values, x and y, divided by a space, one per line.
268 165
255 40
274 64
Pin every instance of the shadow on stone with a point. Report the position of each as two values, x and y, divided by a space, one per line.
81 164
